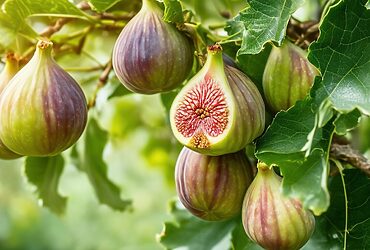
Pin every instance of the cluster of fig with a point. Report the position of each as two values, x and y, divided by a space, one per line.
215 116
43 109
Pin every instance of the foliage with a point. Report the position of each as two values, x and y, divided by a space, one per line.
297 140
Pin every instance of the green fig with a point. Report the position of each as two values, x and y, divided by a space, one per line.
43 109
272 220
212 187
150 55
288 76
219 111
9 70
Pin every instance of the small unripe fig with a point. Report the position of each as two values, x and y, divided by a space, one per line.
9 70
212 187
151 55
272 220
43 109
219 111
288 76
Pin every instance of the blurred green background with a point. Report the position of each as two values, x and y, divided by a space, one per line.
140 156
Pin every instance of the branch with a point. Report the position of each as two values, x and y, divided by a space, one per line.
103 79
347 154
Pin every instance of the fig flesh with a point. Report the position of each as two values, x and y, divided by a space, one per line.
150 55
272 220
219 111
288 76
10 69
212 187
43 109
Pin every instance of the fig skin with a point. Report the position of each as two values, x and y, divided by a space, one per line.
212 187
272 220
43 109
219 111
150 55
10 69
288 76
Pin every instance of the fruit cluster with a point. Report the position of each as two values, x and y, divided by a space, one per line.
215 116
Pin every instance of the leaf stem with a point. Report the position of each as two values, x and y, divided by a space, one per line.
340 168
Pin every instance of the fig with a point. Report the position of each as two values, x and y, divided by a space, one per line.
9 70
288 76
43 109
212 187
151 55
272 220
219 111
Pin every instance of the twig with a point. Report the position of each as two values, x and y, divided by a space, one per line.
347 154
103 79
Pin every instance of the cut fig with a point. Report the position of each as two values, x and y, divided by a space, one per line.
219 111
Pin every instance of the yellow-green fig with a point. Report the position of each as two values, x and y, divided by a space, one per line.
288 76
272 220
212 187
219 111
9 70
43 109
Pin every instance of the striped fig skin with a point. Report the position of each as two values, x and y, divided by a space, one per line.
288 76
219 111
271 220
43 109
10 69
150 55
212 187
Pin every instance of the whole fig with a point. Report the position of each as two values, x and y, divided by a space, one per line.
272 220
9 70
288 76
212 187
43 109
219 111
150 55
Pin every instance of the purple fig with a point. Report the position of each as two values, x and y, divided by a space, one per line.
212 187
272 220
43 109
9 70
288 76
219 111
151 55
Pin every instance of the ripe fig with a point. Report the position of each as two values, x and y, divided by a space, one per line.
272 220
151 55
219 111
212 187
9 70
43 109
288 76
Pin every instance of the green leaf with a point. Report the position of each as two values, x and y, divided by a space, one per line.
188 231
284 144
92 163
346 122
103 5
167 99
344 62
357 187
44 173
13 21
19 10
173 11
263 21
